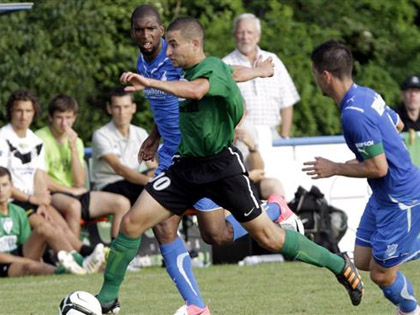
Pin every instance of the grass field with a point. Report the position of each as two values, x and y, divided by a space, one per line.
279 288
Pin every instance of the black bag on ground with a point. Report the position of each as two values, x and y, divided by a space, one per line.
324 224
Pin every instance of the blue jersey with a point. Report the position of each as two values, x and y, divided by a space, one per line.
369 130
165 106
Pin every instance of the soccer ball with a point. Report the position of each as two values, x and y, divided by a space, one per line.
79 303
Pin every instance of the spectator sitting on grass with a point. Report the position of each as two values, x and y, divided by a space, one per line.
20 250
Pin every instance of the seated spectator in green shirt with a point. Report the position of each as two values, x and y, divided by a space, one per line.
20 250
67 173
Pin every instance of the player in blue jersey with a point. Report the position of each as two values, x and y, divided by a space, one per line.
147 32
386 236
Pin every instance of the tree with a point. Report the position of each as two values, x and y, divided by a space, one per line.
81 47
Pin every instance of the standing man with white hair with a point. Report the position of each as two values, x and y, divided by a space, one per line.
269 101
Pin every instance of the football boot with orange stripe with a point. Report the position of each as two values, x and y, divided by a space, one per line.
351 280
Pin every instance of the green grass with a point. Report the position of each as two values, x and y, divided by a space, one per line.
287 288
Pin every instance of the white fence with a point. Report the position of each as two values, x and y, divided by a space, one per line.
284 160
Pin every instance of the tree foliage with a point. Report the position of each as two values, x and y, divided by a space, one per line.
80 47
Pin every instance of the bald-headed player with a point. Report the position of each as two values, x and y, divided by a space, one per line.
207 165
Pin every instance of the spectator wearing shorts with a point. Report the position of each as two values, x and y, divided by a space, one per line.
115 166
23 155
64 152
21 250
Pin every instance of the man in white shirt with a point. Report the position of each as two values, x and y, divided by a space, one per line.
115 166
269 100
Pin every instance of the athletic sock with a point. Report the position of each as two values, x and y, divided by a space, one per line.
178 266
60 270
296 246
401 293
414 252
77 257
272 209
86 250
123 250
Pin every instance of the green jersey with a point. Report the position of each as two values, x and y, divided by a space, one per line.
14 229
207 125
58 157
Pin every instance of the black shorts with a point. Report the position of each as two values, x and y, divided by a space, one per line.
4 270
29 208
123 187
84 201
221 177
4 267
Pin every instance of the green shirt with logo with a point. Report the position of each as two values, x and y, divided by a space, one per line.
207 125
14 229
58 157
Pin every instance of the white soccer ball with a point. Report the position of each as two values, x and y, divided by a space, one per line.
79 303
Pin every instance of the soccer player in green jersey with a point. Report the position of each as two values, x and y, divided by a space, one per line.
207 165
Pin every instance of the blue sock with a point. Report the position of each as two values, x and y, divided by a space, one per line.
414 253
178 265
272 209
401 293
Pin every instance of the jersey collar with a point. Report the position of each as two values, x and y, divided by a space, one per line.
348 96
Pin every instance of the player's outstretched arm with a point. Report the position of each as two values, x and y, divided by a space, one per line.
374 167
262 69
186 89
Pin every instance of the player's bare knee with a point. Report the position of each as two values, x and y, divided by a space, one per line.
130 227
270 239
216 238
268 243
166 232
382 279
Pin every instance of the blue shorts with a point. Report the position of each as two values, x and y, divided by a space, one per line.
206 204
390 230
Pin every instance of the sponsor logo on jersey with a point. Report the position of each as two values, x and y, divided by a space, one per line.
361 146
364 144
379 104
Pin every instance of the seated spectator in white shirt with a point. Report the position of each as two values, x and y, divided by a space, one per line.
246 142
115 146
